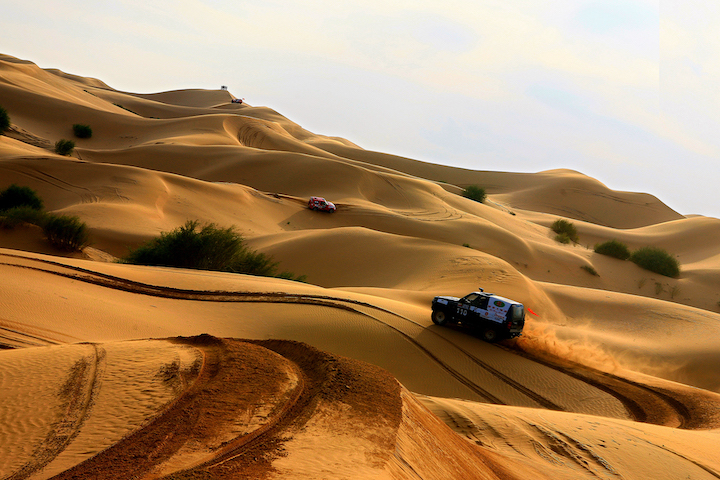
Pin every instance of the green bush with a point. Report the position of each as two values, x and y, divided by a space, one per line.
613 248
66 232
591 270
291 276
255 263
14 216
210 248
82 131
562 238
566 231
656 260
475 192
22 204
64 147
206 248
16 196
4 120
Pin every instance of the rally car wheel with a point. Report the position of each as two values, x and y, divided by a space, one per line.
489 335
439 317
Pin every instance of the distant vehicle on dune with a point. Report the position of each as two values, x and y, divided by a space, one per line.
493 316
320 204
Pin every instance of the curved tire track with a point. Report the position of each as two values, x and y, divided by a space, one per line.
157 441
78 394
254 452
196 413
644 404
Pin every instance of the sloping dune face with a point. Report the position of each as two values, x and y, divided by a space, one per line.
112 370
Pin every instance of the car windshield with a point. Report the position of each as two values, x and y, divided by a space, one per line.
470 298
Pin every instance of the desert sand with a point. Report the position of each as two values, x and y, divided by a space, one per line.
110 370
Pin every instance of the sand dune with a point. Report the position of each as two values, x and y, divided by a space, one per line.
583 447
119 371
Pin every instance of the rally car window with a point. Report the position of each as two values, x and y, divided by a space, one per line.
470 298
481 302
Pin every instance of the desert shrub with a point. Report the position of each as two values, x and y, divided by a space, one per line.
17 196
656 260
14 216
65 232
4 120
291 276
475 192
22 204
210 248
613 248
205 248
591 270
562 238
566 231
255 263
82 131
64 147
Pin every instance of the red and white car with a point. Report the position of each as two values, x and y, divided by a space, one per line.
319 203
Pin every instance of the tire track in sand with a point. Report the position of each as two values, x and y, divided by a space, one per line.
643 403
157 440
131 286
210 403
77 395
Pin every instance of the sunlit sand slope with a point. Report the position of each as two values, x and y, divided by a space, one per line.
570 446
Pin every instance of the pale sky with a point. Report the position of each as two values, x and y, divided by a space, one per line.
625 91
